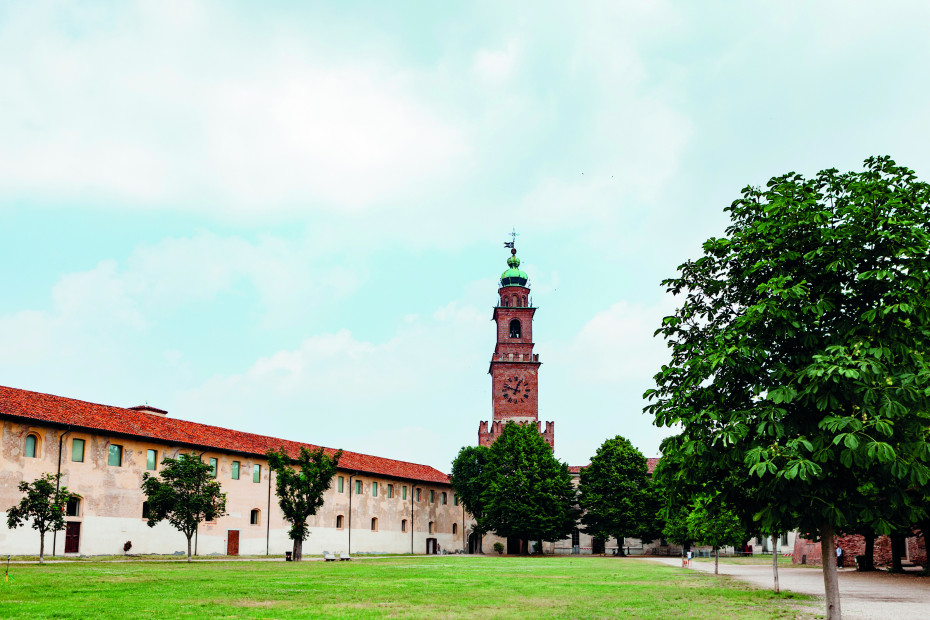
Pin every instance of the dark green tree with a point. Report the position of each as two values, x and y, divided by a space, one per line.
43 505
470 478
184 493
300 491
615 493
798 352
530 494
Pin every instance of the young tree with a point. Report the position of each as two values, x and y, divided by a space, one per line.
530 494
712 523
798 353
185 493
43 504
615 492
470 477
300 491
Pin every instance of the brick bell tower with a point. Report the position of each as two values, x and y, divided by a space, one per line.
514 367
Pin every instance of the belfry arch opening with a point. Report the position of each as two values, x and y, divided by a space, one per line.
515 331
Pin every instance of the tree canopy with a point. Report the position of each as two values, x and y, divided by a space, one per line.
517 487
616 494
798 351
43 504
300 491
184 493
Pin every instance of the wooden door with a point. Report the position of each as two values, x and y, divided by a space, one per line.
232 542
72 536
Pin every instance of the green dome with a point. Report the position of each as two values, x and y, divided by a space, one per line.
513 276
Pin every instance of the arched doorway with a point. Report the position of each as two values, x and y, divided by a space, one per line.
474 543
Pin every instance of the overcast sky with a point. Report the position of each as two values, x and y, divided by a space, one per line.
288 218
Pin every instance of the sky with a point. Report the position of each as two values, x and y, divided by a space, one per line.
288 218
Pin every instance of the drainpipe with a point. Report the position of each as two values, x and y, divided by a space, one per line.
464 538
61 439
412 491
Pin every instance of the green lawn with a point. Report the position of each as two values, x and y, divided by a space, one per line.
398 587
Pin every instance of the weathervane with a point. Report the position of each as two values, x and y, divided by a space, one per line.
514 233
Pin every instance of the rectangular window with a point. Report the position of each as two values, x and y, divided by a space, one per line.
31 442
73 507
455 499
432 496
151 459
444 498
235 470
374 489
390 491
77 450
784 539
256 473
403 492
115 455
418 494
358 487
340 484
213 465
145 510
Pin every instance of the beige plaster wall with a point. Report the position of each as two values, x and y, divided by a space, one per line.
111 510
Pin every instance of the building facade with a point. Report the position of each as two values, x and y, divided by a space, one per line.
375 505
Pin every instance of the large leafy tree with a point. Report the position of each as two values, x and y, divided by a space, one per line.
470 477
43 504
615 493
530 494
798 352
300 490
184 493
713 523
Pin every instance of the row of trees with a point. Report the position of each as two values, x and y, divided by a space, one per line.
186 493
516 488
799 377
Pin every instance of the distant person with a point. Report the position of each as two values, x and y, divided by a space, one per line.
689 558
839 557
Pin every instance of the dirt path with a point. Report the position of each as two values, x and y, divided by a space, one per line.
877 595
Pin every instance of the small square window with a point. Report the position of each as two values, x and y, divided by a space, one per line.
255 517
374 489
339 522
115 455
151 459
256 473
340 484
235 470
73 508
213 464
77 450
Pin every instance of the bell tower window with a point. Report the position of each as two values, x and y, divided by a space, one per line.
515 329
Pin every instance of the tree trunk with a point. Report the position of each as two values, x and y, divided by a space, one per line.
189 536
831 583
298 551
620 550
897 544
42 547
775 561
868 556
716 559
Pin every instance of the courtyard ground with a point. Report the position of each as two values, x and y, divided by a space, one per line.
874 595
395 587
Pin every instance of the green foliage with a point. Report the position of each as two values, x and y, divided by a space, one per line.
184 493
798 352
470 477
516 487
499 548
300 491
616 494
43 505
713 523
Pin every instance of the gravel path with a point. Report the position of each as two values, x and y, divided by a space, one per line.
877 595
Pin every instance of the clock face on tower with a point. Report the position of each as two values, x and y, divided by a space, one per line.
515 390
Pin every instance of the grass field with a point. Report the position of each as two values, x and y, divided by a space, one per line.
397 587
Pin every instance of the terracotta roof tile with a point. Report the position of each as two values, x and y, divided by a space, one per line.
650 466
119 420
